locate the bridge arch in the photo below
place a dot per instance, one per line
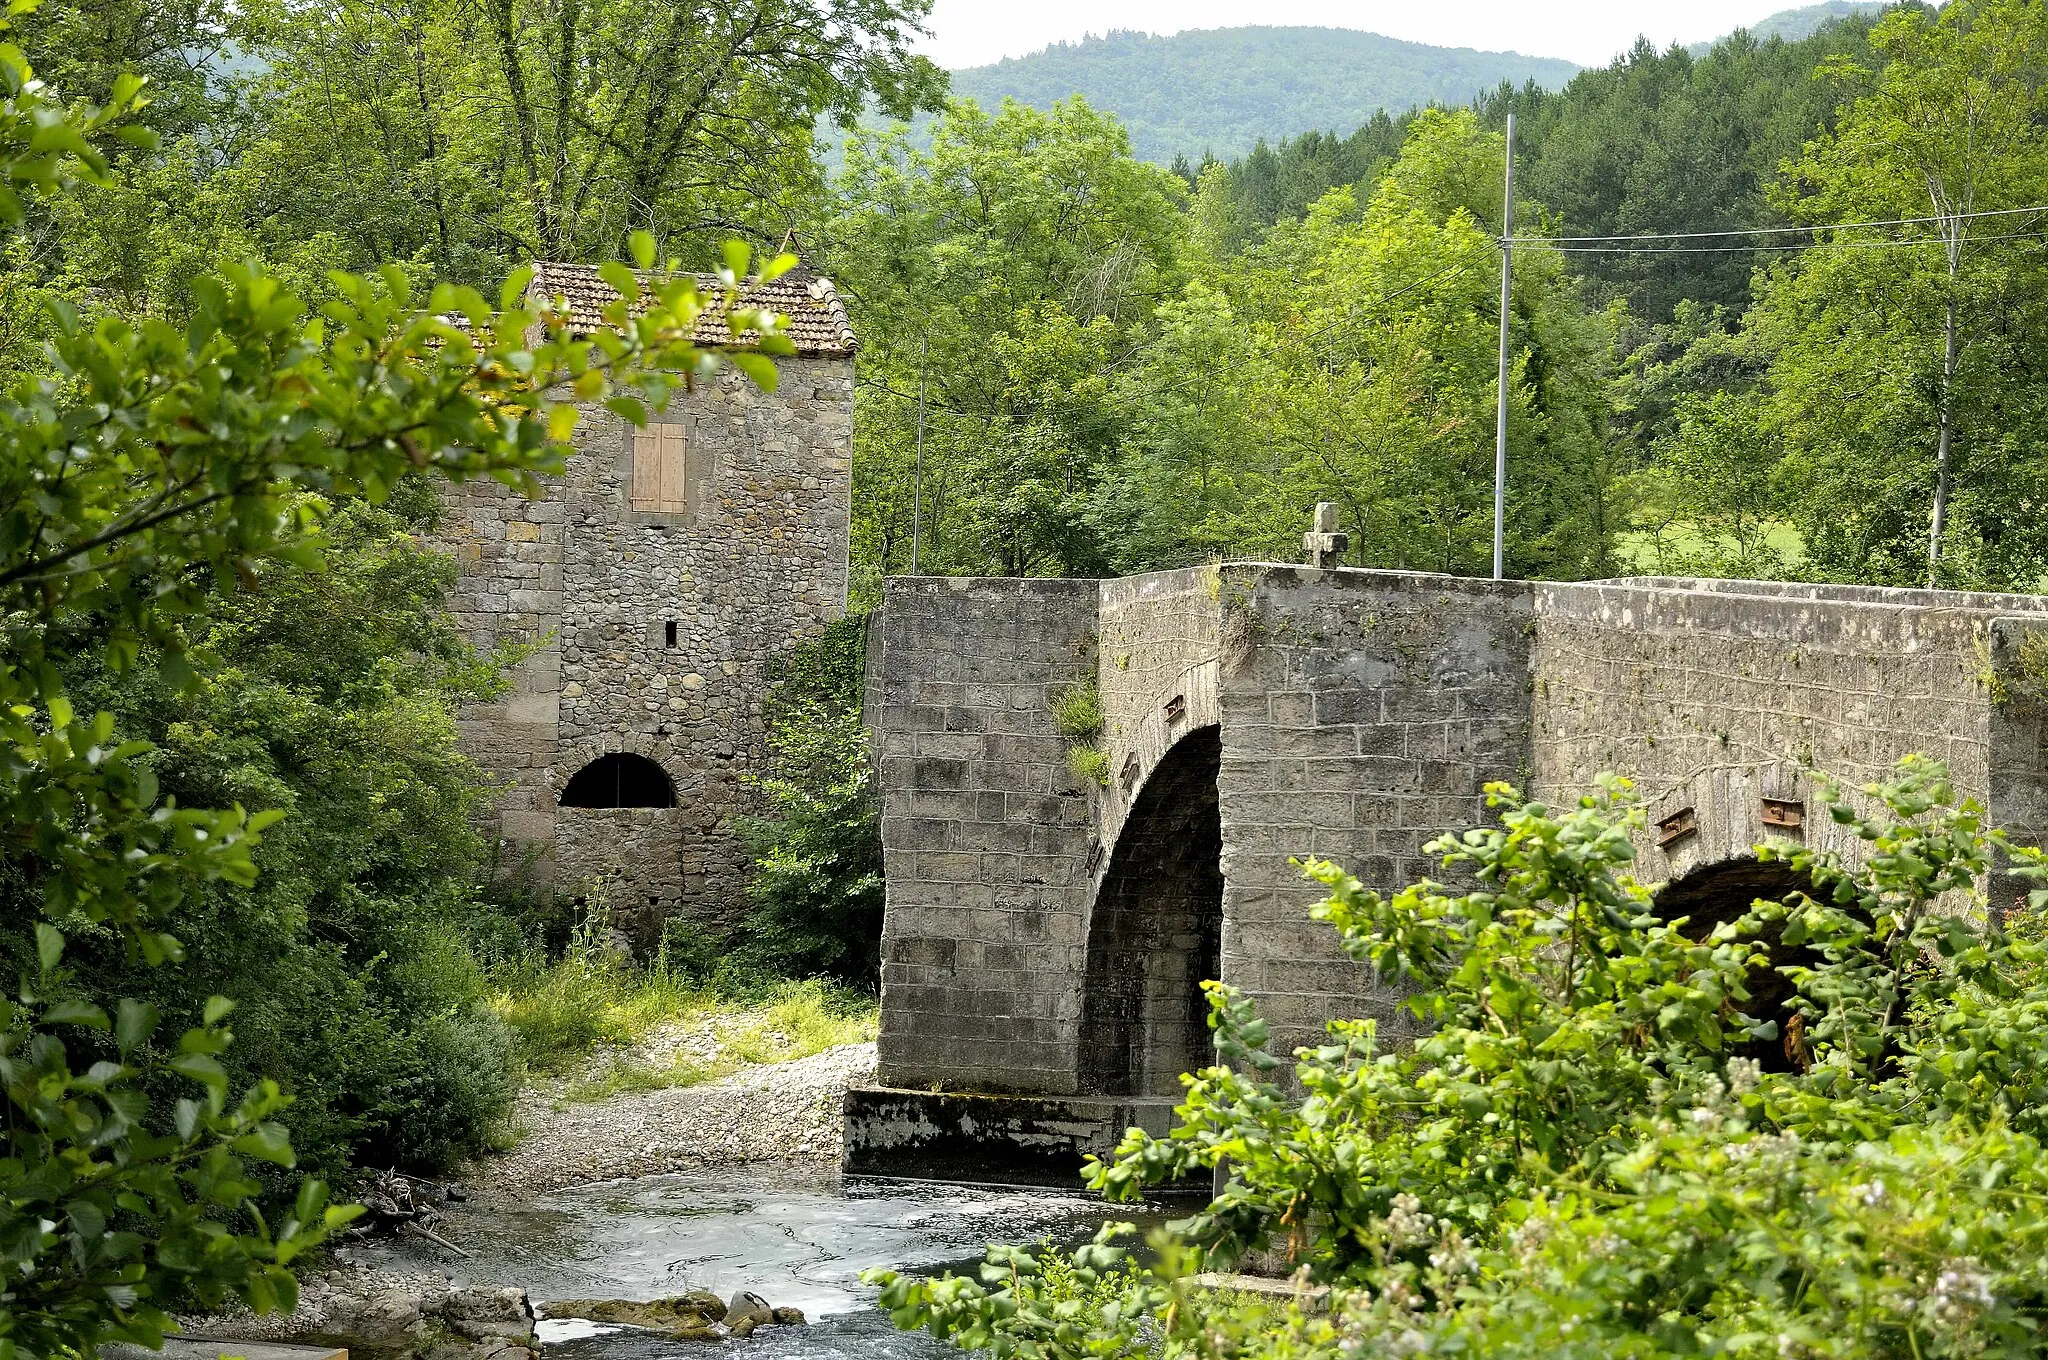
(1156, 931)
(1717, 893)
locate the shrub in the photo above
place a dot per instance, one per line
(815, 902)
(1077, 711)
(1571, 1161)
(331, 697)
(1089, 763)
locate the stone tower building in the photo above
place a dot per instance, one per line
(652, 585)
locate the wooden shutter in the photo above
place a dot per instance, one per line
(662, 482)
(675, 480)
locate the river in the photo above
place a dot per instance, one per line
(796, 1236)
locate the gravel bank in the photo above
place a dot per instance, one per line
(780, 1112)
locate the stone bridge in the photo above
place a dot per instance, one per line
(1046, 935)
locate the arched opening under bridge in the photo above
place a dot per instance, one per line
(1716, 894)
(1156, 933)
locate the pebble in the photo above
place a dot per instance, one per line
(782, 1112)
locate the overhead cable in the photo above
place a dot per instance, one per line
(1775, 231)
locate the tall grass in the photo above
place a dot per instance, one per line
(581, 1016)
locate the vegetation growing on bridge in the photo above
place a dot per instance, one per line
(1594, 1150)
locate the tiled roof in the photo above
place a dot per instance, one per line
(813, 316)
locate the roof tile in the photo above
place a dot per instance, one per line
(813, 316)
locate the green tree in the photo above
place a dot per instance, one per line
(332, 697)
(548, 129)
(1360, 348)
(153, 469)
(1934, 341)
(816, 895)
(1010, 269)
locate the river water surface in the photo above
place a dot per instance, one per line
(794, 1236)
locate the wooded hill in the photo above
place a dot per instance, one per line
(1220, 89)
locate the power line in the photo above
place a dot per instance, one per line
(1777, 231)
(1808, 246)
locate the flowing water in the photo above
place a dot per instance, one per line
(793, 1236)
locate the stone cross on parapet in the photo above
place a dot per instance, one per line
(1324, 542)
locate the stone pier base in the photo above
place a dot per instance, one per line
(992, 1139)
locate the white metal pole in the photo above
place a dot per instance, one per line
(917, 476)
(1500, 427)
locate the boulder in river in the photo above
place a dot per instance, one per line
(696, 1316)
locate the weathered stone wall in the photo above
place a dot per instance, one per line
(985, 832)
(1161, 635)
(596, 585)
(1363, 713)
(1715, 696)
(1354, 716)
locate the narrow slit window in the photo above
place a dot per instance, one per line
(671, 632)
(664, 474)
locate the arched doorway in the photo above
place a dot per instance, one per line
(619, 780)
(1157, 931)
(1716, 894)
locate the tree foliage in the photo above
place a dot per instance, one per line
(149, 471)
(816, 897)
(1103, 394)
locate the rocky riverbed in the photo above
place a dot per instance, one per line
(783, 1112)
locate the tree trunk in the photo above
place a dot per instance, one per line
(503, 20)
(431, 125)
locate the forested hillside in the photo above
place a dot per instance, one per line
(1804, 22)
(1655, 141)
(1219, 90)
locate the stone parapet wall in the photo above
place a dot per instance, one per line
(1715, 700)
(985, 832)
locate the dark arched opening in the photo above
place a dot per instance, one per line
(1719, 893)
(622, 780)
(1157, 931)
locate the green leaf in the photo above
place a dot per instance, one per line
(134, 1022)
(49, 945)
(76, 1013)
(267, 1142)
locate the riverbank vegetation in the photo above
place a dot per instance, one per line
(1603, 1142)
(163, 492)
(598, 1026)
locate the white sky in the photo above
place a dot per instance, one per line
(1590, 32)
